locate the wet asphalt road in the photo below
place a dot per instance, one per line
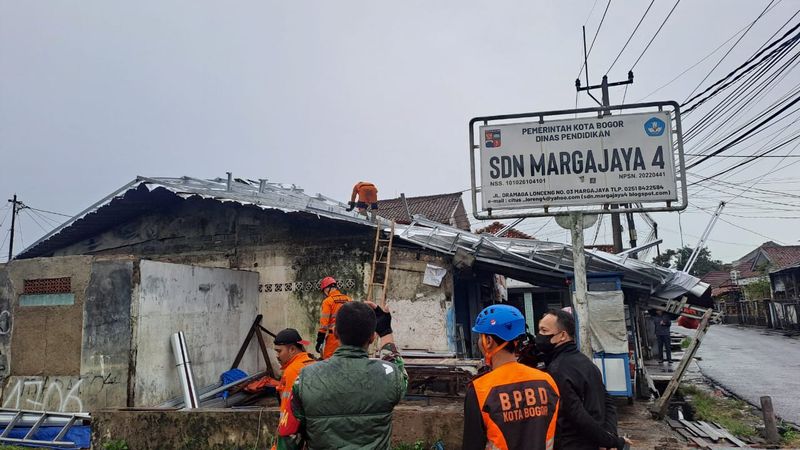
(751, 363)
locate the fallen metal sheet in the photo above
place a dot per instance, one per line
(547, 260)
(705, 434)
(209, 392)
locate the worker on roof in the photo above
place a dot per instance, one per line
(367, 196)
(512, 406)
(327, 342)
(291, 351)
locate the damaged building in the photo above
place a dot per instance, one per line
(88, 309)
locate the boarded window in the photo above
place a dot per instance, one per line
(47, 292)
(61, 285)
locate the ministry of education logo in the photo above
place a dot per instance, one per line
(654, 126)
(491, 138)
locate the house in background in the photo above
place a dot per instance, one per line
(759, 288)
(447, 209)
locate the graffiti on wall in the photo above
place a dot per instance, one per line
(60, 394)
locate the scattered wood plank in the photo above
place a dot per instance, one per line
(712, 432)
(694, 428)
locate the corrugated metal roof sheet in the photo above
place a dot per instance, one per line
(530, 257)
(148, 194)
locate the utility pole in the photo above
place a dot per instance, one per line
(616, 226)
(15, 207)
(631, 231)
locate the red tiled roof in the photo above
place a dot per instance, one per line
(443, 208)
(782, 257)
(717, 279)
(774, 255)
(511, 233)
(720, 283)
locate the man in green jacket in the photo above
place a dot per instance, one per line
(346, 401)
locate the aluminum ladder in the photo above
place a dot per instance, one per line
(36, 419)
(381, 260)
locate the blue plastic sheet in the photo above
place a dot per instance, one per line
(229, 377)
(81, 435)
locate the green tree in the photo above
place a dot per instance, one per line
(677, 258)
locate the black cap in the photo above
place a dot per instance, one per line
(289, 336)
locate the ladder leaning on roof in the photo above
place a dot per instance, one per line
(381, 260)
(13, 418)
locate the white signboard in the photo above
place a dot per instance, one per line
(578, 162)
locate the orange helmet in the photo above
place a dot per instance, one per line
(327, 282)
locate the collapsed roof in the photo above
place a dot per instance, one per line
(524, 259)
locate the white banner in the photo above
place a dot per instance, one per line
(578, 162)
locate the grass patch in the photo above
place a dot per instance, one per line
(790, 438)
(13, 447)
(731, 414)
(419, 445)
(115, 444)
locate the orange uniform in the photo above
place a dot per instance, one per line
(327, 320)
(367, 194)
(291, 370)
(511, 407)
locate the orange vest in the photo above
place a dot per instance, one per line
(327, 320)
(290, 372)
(366, 191)
(519, 405)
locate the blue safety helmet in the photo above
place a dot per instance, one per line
(503, 321)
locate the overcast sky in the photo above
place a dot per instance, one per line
(323, 94)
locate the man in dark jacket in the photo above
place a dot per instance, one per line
(346, 401)
(587, 417)
(663, 324)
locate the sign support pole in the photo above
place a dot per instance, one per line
(580, 301)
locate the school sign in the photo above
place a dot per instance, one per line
(594, 160)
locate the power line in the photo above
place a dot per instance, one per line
(743, 156)
(591, 46)
(729, 50)
(744, 162)
(739, 226)
(770, 55)
(749, 132)
(36, 221)
(5, 238)
(67, 215)
(654, 36)
(631, 36)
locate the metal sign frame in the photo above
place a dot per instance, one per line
(605, 208)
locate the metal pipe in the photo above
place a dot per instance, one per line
(184, 366)
(230, 181)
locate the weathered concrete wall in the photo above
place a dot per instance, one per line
(105, 350)
(419, 311)
(52, 363)
(255, 428)
(6, 320)
(291, 252)
(213, 307)
(47, 339)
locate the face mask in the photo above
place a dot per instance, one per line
(543, 344)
